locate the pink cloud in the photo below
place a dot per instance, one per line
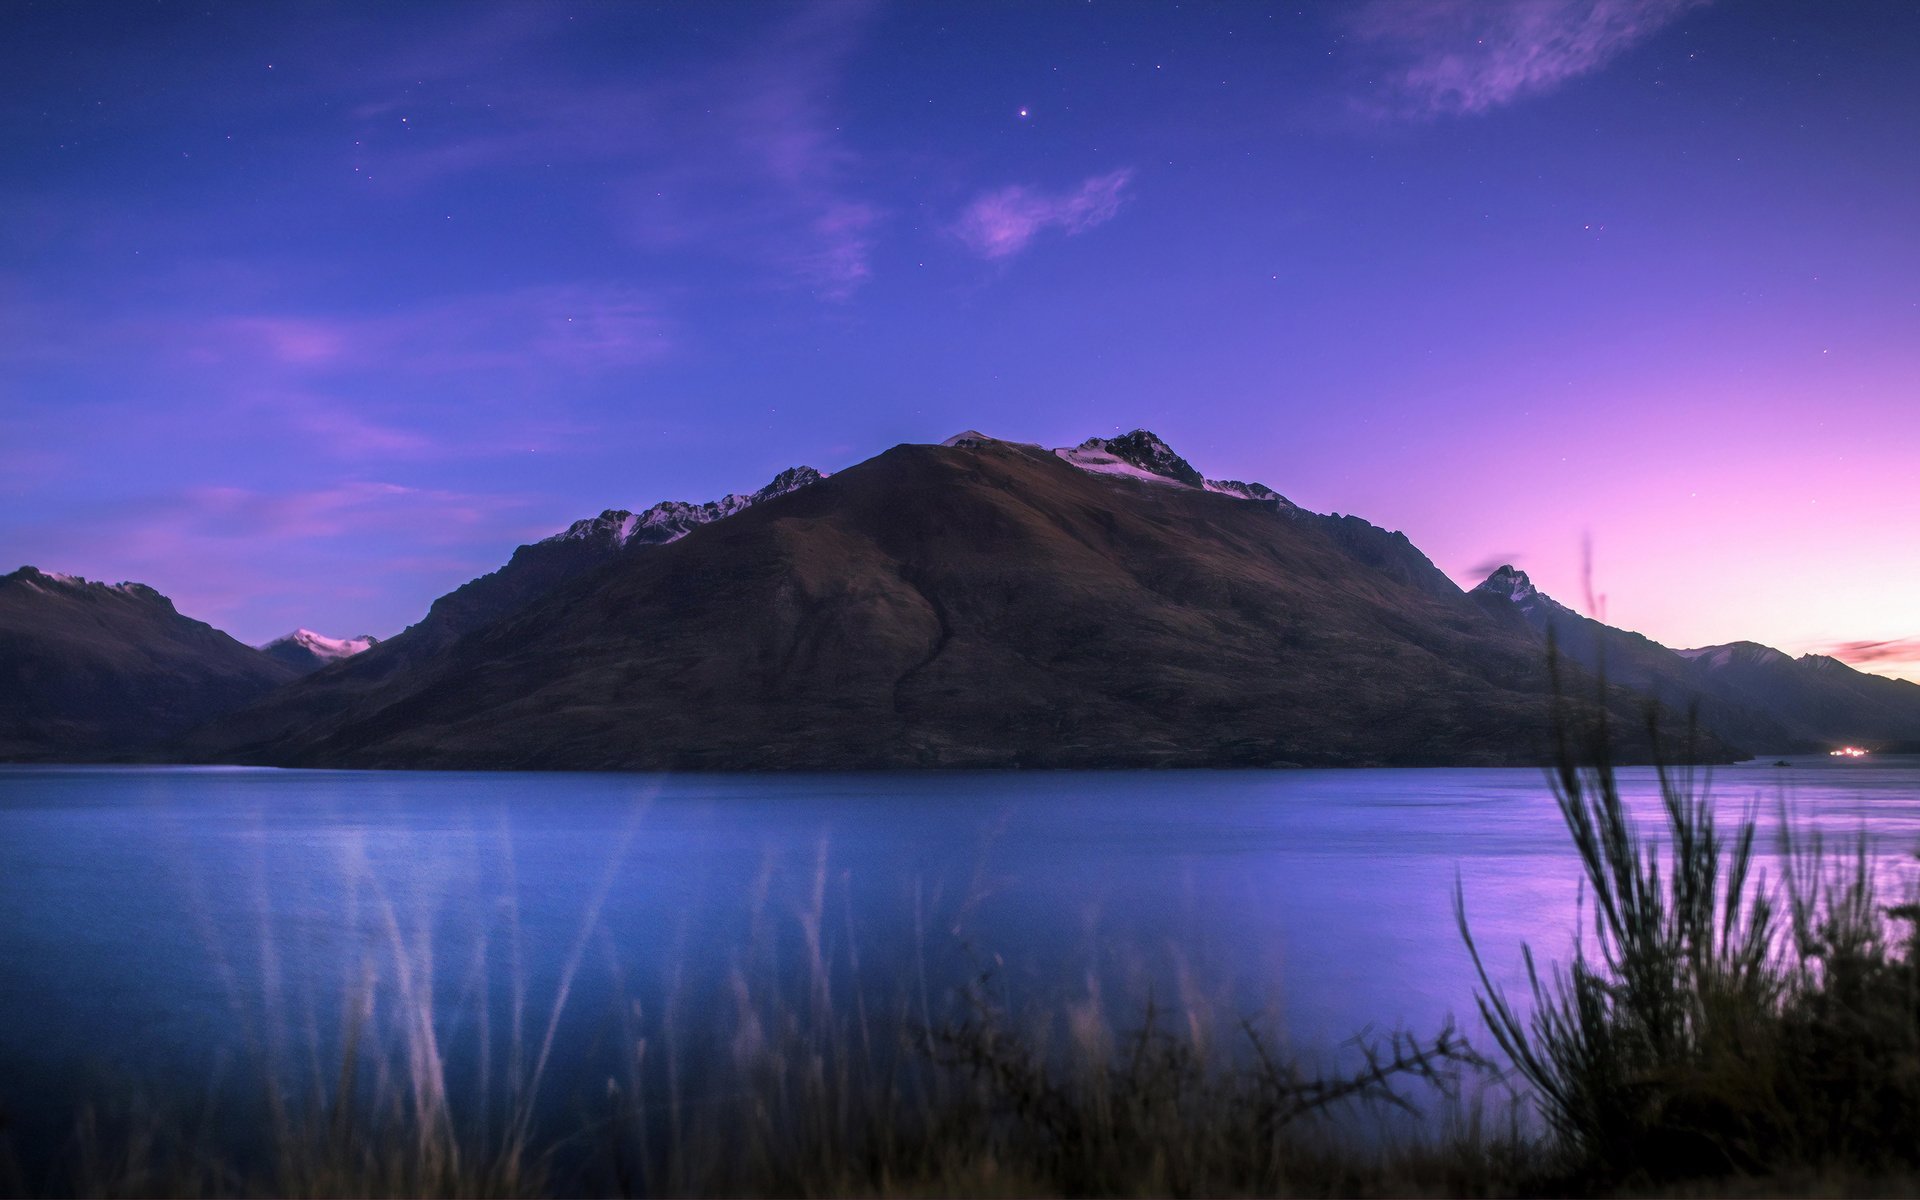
(349, 433)
(1895, 650)
(347, 510)
(1000, 224)
(1459, 57)
(292, 340)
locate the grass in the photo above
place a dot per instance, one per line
(1714, 1033)
(1714, 1026)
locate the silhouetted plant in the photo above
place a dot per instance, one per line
(1711, 1024)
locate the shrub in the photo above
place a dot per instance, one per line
(1712, 1024)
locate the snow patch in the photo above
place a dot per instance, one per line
(671, 520)
(1091, 455)
(37, 579)
(1144, 456)
(1248, 491)
(322, 647)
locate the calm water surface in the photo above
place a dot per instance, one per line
(167, 927)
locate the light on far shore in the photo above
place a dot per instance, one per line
(1848, 752)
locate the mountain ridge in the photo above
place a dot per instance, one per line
(1182, 619)
(981, 604)
(92, 671)
(1748, 693)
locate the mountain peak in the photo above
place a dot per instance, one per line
(35, 578)
(307, 651)
(1144, 455)
(671, 520)
(969, 437)
(1825, 662)
(323, 645)
(1509, 583)
(789, 480)
(1142, 450)
(1736, 653)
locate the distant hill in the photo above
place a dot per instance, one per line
(978, 604)
(94, 670)
(1746, 694)
(1820, 698)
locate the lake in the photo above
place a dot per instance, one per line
(172, 929)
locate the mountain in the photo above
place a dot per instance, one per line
(306, 651)
(588, 543)
(981, 603)
(1819, 698)
(1142, 455)
(1744, 693)
(94, 670)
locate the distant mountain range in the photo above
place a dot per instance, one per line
(1748, 694)
(979, 603)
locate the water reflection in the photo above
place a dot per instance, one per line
(155, 923)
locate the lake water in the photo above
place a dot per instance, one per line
(168, 928)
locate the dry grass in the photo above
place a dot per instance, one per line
(1715, 1029)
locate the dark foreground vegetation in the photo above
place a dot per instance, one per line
(1715, 1032)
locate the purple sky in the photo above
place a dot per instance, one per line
(309, 314)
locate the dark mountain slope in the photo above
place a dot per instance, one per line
(91, 670)
(1640, 663)
(979, 605)
(1749, 695)
(1820, 699)
(539, 567)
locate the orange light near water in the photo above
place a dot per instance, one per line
(1848, 752)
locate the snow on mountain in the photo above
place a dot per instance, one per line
(321, 646)
(1143, 455)
(1139, 455)
(306, 651)
(47, 581)
(671, 520)
(1247, 491)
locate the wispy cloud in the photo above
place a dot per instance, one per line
(221, 550)
(368, 385)
(1458, 57)
(1001, 223)
(577, 328)
(1894, 650)
(1479, 571)
(740, 155)
(354, 509)
(461, 376)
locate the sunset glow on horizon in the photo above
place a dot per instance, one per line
(308, 316)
